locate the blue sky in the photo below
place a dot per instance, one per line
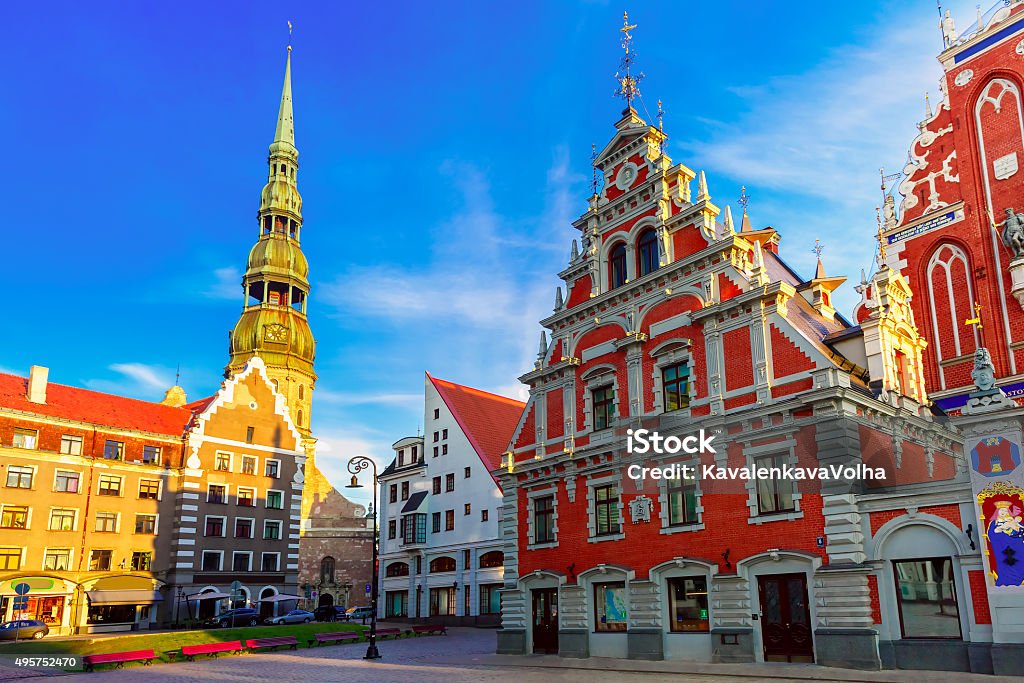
(444, 152)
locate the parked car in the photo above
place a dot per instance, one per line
(241, 616)
(354, 613)
(329, 613)
(23, 629)
(296, 616)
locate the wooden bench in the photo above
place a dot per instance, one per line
(430, 628)
(272, 643)
(385, 632)
(212, 649)
(338, 636)
(119, 658)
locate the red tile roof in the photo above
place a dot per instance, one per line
(488, 420)
(94, 407)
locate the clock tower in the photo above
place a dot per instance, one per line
(273, 324)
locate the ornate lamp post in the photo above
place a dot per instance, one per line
(355, 466)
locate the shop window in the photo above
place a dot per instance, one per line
(926, 594)
(111, 614)
(490, 598)
(442, 601)
(688, 604)
(610, 613)
(675, 386)
(396, 604)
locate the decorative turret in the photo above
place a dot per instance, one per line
(273, 323)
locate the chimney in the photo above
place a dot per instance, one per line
(37, 384)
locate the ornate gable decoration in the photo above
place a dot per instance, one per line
(893, 344)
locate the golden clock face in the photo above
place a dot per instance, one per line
(275, 333)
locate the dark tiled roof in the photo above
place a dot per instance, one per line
(414, 502)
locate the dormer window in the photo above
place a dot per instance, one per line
(647, 253)
(617, 266)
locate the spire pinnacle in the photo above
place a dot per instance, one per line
(629, 85)
(702, 187)
(284, 136)
(743, 201)
(727, 217)
(819, 273)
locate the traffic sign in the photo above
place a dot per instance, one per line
(367, 589)
(22, 589)
(20, 604)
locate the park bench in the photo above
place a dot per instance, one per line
(119, 658)
(430, 628)
(212, 649)
(385, 632)
(338, 636)
(272, 643)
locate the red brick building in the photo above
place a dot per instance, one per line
(676, 322)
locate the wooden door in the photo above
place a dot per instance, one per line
(545, 621)
(785, 618)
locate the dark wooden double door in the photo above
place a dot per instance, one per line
(545, 620)
(785, 618)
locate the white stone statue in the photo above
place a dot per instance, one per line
(948, 27)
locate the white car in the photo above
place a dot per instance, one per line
(296, 616)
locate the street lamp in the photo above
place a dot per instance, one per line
(355, 466)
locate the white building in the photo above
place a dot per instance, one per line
(440, 555)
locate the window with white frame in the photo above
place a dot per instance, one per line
(610, 607)
(273, 468)
(215, 526)
(20, 477)
(217, 493)
(14, 516)
(71, 444)
(106, 522)
(213, 560)
(57, 559)
(66, 481)
(10, 558)
(773, 495)
(109, 485)
(222, 461)
(241, 561)
(606, 509)
(248, 464)
(270, 562)
(149, 489)
(63, 519)
(151, 455)
(275, 500)
(245, 497)
(25, 438)
(145, 524)
(772, 498)
(271, 530)
(244, 527)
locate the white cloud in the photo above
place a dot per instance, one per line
(139, 380)
(226, 284)
(342, 398)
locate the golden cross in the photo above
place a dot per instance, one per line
(976, 320)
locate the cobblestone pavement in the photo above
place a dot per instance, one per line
(464, 656)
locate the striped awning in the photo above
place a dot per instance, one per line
(126, 597)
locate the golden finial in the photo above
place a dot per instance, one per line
(626, 28)
(975, 322)
(628, 83)
(818, 248)
(880, 236)
(661, 115)
(289, 36)
(744, 199)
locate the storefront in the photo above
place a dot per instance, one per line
(120, 603)
(47, 600)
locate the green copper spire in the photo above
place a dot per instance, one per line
(284, 137)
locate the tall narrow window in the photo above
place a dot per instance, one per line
(774, 495)
(675, 386)
(647, 252)
(604, 407)
(327, 570)
(606, 509)
(617, 266)
(682, 501)
(544, 519)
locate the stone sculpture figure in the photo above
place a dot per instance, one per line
(984, 373)
(1013, 233)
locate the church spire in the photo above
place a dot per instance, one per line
(284, 136)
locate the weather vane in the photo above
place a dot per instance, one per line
(880, 236)
(593, 162)
(744, 198)
(661, 114)
(629, 85)
(289, 36)
(975, 322)
(818, 248)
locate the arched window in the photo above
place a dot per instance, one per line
(327, 570)
(950, 292)
(302, 392)
(495, 558)
(617, 265)
(442, 564)
(299, 421)
(647, 252)
(397, 569)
